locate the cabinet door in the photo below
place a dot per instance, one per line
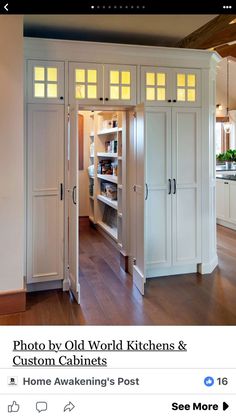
(86, 83)
(156, 86)
(222, 199)
(186, 87)
(119, 84)
(186, 196)
(158, 178)
(232, 202)
(45, 81)
(45, 174)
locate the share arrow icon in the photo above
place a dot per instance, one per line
(69, 407)
(225, 406)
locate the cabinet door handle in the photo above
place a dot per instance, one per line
(106, 98)
(169, 189)
(101, 98)
(174, 100)
(146, 191)
(169, 100)
(226, 183)
(73, 195)
(61, 191)
(174, 180)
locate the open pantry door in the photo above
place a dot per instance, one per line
(73, 204)
(140, 196)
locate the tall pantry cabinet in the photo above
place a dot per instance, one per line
(169, 100)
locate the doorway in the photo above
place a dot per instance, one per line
(100, 195)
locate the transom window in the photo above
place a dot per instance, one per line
(45, 82)
(186, 87)
(120, 85)
(156, 86)
(85, 83)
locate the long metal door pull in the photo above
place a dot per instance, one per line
(174, 180)
(73, 195)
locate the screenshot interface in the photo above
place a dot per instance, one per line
(117, 209)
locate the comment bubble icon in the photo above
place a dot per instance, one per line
(41, 406)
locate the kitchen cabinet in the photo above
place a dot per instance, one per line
(109, 84)
(162, 86)
(226, 203)
(45, 82)
(173, 206)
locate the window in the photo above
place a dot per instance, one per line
(155, 86)
(45, 81)
(120, 85)
(186, 87)
(86, 83)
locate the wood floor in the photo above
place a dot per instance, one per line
(109, 297)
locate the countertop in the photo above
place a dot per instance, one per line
(222, 168)
(226, 177)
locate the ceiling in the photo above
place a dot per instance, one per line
(162, 30)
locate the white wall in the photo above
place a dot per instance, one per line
(83, 174)
(11, 153)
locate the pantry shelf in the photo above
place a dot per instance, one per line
(109, 131)
(107, 201)
(111, 231)
(104, 154)
(109, 178)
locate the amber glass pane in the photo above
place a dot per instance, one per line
(114, 77)
(92, 76)
(39, 90)
(181, 80)
(51, 90)
(125, 77)
(150, 93)
(80, 91)
(114, 92)
(125, 93)
(191, 80)
(191, 95)
(51, 74)
(150, 79)
(161, 93)
(92, 91)
(161, 79)
(80, 75)
(181, 95)
(39, 73)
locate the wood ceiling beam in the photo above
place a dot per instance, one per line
(227, 51)
(216, 32)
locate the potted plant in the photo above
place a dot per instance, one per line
(229, 157)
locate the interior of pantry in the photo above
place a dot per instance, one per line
(102, 182)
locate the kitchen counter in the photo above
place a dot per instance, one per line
(222, 168)
(225, 176)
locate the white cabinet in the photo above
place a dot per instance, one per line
(173, 217)
(170, 86)
(45, 195)
(226, 203)
(110, 84)
(45, 81)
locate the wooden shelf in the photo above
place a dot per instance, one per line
(107, 201)
(104, 154)
(109, 178)
(91, 177)
(111, 231)
(91, 134)
(120, 186)
(120, 214)
(91, 197)
(119, 158)
(109, 131)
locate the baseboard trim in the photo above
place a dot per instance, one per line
(208, 268)
(12, 301)
(45, 286)
(226, 224)
(153, 272)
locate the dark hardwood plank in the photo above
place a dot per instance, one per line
(110, 298)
